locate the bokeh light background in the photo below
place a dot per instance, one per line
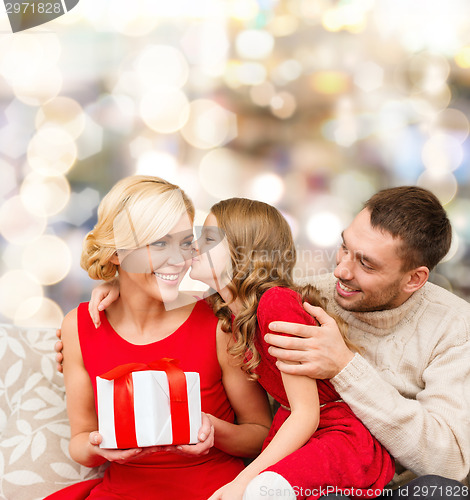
(311, 105)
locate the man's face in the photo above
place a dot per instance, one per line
(369, 268)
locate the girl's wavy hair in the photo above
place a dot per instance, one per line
(263, 256)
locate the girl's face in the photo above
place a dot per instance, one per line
(211, 261)
(161, 265)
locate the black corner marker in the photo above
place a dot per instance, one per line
(28, 14)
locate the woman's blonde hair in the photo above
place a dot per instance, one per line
(136, 212)
(263, 256)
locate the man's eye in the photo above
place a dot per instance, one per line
(364, 265)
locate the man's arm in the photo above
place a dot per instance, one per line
(429, 434)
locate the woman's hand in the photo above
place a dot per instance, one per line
(206, 440)
(121, 456)
(101, 297)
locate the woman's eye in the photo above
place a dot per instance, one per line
(187, 244)
(158, 244)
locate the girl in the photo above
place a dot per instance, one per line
(144, 234)
(316, 445)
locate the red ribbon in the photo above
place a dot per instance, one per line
(124, 419)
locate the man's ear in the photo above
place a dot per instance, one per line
(416, 278)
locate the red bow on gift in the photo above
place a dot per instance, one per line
(124, 420)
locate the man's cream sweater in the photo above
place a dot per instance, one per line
(410, 384)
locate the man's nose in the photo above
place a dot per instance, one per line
(343, 269)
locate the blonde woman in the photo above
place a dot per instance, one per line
(144, 235)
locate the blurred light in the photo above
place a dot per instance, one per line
(12, 256)
(209, 125)
(243, 10)
(283, 105)
(16, 287)
(81, 207)
(330, 82)
(158, 164)
(267, 187)
(51, 151)
(43, 86)
(39, 312)
(458, 214)
(48, 259)
(206, 45)
(442, 153)
(462, 57)
(428, 71)
(429, 105)
(453, 122)
(63, 112)
(162, 65)
(442, 184)
(165, 109)
(251, 73)
(90, 141)
(324, 229)
(17, 224)
(283, 25)
(287, 71)
(454, 248)
(15, 136)
(254, 44)
(114, 112)
(44, 196)
(349, 16)
(369, 76)
(134, 22)
(8, 178)
(220, 174)
(140, 145)
(353, 187)
(262, 94)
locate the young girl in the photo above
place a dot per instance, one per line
(316, 444)
(144, 234)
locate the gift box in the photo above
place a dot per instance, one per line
(148, 404)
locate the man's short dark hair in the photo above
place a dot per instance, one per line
(417, 217)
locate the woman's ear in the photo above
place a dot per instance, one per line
(115, 259)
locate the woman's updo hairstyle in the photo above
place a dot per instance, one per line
(138, 210)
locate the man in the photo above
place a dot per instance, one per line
(410, 382)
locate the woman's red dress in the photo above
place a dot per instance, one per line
(165, 476)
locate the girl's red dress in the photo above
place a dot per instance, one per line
(163, 475)
(342, 455)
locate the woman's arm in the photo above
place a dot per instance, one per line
(249, 402)
(84, 440)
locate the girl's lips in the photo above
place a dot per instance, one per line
(344, 290)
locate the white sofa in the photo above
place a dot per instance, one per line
(34, 429)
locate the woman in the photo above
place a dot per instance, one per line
(144, 234)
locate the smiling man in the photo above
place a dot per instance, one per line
(410, 381)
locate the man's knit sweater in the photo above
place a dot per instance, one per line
(410, 384)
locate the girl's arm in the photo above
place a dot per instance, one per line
(293, 433)
(249, 402)
(84, 440)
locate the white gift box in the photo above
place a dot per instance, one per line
(152, 408)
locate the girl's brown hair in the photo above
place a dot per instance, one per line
(263, 256)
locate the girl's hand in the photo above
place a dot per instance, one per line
(101, 297)
(121, 456)
(206, 441)
(231, 491)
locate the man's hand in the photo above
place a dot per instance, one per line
(101, 297)
(59, 357)
(320, 350)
